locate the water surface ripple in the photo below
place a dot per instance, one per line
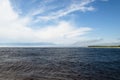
(59, 64)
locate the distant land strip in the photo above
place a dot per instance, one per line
(104, 46)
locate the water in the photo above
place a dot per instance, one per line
(59, 64)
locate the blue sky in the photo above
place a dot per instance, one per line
(60, 22)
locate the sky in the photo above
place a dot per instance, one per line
(59, 22)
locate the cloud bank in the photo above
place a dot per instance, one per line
(14, 28)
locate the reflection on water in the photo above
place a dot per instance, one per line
(59, 64)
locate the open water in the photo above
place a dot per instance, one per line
(59, 64)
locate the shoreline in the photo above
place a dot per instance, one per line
(103, 47)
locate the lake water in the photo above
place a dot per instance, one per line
(59, 64)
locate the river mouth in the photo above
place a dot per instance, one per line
(59, 64)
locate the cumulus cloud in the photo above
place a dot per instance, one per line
(63, 32)
(13, 28)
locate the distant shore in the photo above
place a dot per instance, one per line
(104, 46)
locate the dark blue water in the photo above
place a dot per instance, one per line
(59, 64)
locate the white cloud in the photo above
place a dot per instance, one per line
(81, 5)
(15, 29)
(6, 13)
(11, 26)
(89, 42)
(64, 33)
(105, 0)
(97, 41)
